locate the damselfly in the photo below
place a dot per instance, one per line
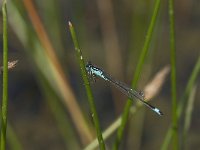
(95, 71)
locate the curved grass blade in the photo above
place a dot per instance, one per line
(139, 66)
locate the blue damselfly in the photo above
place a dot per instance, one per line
(95, 71)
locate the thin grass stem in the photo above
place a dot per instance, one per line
(194, 75)
(88, 88)
(139, 66)
(5, 78)
(188, 116)
(173, 75)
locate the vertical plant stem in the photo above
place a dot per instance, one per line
(184, 100)
(139, 66)
(173, 75)
(88, 88)
(5, 79)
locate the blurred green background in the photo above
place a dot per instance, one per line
(47, 98)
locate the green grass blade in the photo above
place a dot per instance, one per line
(139, 66)
(189, 86)
(88, 88)
(5, 79)
(173, 75)
(167, 139)
(188, 115)
(13, 140)
(183, 101)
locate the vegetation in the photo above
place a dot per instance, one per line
(127, 38)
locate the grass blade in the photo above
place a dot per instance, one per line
(137, 74)
(189, 86)
(6, 65)
(13, 140)
(173, 75)
(188, 115)
(88, 88)
(183, 101)
(5, 78)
